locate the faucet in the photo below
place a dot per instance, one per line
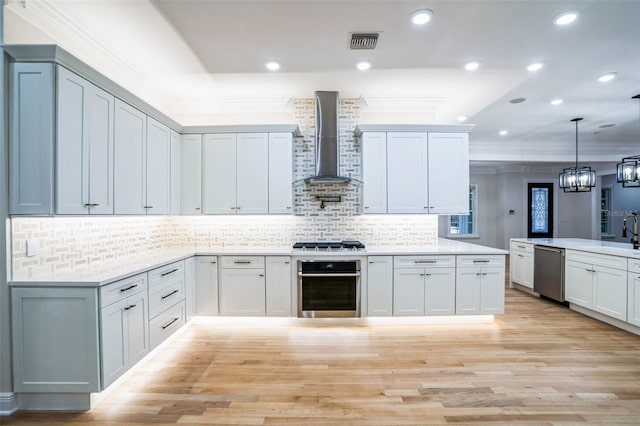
(634, 240)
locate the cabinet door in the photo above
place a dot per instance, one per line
(175, 173)
(408, 292)
(130, 174)
(158, 168)
(406, 173)
(219, 174)
(633, 298)
(578, 283)
(610, 292)
(242, 292)
(374, 172)
(114, 337)
(191, 174)
(252, 174)
(492, 291)
(468, 281)
(448, 162)
(380, 286)
(138, 326)
(440, 291)
(190, 287)
(278, 286)
(31, 136)
(72, 156)
(206, 289)
(516, 267)
(280, 173)
(527, 270)
(101, 145)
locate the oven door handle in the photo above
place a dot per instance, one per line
(302, 274)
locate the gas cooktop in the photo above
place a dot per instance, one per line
(330, 246)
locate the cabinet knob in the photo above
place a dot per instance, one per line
(213, 262)
(197, 208)
(262, 275)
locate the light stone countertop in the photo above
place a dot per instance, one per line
(99, 274)
(591, 246)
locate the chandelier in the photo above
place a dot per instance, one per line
(577, 179)
(628, 170)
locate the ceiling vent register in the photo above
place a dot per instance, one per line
(364, 41)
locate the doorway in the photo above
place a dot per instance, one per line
(540, 210)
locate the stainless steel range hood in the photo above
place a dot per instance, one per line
(327, 150)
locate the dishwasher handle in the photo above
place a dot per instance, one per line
(551, 249)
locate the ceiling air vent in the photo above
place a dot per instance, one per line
(361, 41)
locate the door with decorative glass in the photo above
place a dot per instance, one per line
(540, 210)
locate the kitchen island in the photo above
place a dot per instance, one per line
(601, 278)
(76, 332)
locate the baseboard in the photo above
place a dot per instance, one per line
(605, 318)
(8, 403)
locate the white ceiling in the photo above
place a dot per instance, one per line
(202, 62)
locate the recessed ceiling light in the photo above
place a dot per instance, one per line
(535, 66)
(556, 102)
(517, 100)
(607, 77)
(363, 65)
(472, 66)
(272, 65)
(566, 18)
(462, 118)
(503, 132)
(422, 16)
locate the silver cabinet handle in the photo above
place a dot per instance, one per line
(170, 322)
(129, 307)
(148, 207)
(170, 272)
(170, 294)
(129, 288)
(481, 261)
(424, 261)
(242, 262)
(91, 205)
(522, 247)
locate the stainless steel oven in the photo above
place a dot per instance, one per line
(328, 288)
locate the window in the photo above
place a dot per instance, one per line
(540, 210)
(605, 208)
(466, 225)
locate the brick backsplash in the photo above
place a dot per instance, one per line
(66, 243)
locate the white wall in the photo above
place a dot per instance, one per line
(623, 202)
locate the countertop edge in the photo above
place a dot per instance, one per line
(571, 244)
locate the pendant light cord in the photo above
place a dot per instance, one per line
(576, 120)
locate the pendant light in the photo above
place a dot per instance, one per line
(577, 179)
(628, 170)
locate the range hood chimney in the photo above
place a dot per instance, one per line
(327, 150)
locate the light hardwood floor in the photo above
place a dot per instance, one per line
(540, 363)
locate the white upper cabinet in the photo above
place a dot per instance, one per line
(407, 190)
(31, 133)
(175, 173)
(191, 174)
(374, 172)
(280, 173)
(448, 169)
(252, 173)
(130, 177)
(84, 171)
(158, 179)
(219, 174)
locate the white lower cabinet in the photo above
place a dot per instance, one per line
(419, 289)
(521, 264)
(597, 282)
(124, 330)
(242, 286)
(380, 286)
(206, 285)
(167, 308)
(480, 289)
(633, 297)
(278, 286)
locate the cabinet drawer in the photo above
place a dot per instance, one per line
(634, 265)
(423, 261)
(162, 297)
(120, 290)
(164, 274)
(165, 324)
(243, 261)
(518, 246)
(480, 260)
(597, 259)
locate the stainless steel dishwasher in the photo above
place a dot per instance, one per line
(548, 272)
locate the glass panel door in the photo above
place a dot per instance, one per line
(540, 210)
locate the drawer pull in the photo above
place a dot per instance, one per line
(128, 288)
(520, 255)
(424, 261)
(242, 262)
(169, 272)
(91, 205)
(170, 322)
(129, 307)
(170, 294)
(522, 247)
(261, 275)
(478, 274)
(213, 262)
(148, 207)
(481, 261)
(427, 275)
